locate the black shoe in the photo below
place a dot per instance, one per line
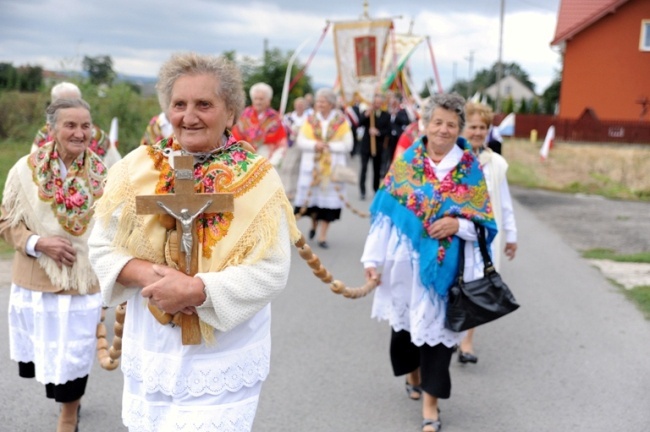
(312, 234)
(466, 357)
(323, 244)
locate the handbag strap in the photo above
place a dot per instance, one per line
(482, 244)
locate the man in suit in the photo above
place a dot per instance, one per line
(399, 120)
(376, 121)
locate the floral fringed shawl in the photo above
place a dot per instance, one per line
(413, 198)
(225, 239)
(36, 194)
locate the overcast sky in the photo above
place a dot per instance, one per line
(140, 34)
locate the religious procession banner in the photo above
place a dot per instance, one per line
(399, 49)
(359, 49)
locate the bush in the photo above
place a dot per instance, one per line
(22, 114)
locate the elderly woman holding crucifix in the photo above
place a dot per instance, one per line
(240, 254)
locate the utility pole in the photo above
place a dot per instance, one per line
(499, 61)
(454, 76)
(469, 77)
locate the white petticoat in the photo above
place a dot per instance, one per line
(56, 332)
(171, 387)
(401, 299)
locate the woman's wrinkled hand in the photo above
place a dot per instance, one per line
(58, 248)
(510, 250)
(175, 291)
(444, 227)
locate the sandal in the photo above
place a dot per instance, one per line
(435, 424)
(412, 390)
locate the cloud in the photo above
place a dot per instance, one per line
(139, 36)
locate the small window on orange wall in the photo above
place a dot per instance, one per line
(644, 43)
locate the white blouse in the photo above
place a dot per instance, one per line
(401, 299)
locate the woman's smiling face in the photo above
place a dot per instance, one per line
(199, 116)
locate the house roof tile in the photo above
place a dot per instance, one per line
(576, 15)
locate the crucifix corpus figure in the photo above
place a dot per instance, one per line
(185, 206)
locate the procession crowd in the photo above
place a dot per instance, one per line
(72, 210)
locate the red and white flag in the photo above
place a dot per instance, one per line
(548, 143)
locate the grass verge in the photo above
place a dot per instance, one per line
(608, 254)
(641, 297)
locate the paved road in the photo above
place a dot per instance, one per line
(573, 358)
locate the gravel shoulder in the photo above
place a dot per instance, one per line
(589, 222)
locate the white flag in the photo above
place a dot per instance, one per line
(507, 125)
(548, 143)
(112, 155)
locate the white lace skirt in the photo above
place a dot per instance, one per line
(401, 299)
(55, 331)
(171, 387)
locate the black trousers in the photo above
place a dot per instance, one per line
(376, 170)
(433, 362)
(68, 392)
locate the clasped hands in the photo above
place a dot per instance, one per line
(173, 291)
(321, 146)
(58, 248)
(444, 227)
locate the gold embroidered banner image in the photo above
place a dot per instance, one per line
(359, 50)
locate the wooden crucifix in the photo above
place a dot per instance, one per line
(185, 206)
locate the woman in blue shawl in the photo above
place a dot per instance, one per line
(427, 204)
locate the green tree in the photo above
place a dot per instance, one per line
(427, 87)
(508, 105)
(272, 71)
(534, 106)
(551, 96)
(31, 78)
(523, 107)
(462, 88)
(8, 76)
(99, 69)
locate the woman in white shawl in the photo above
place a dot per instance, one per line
(479, 118)
(55, 305)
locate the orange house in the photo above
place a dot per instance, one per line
(605, 46)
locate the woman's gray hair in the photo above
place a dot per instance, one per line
(64, 88)
(328, 94)
(449, 101)
(230, 88)
(52, 111)
(261, 87)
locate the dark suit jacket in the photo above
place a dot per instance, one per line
(382, 122)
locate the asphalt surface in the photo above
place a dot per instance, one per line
(574, 357)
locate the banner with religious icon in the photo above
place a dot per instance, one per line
(359, 51)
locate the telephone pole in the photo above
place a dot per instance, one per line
(499, 62)
(469, 78)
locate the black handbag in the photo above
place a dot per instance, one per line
(471, 304)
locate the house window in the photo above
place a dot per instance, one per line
(644, 44)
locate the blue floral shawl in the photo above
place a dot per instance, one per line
(414, 198)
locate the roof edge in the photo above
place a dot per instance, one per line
(609, 9)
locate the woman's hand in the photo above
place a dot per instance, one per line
(510, 250)
(371, 274)
(175, 291)
(58, 248)
(320, 146)
(444, 227)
